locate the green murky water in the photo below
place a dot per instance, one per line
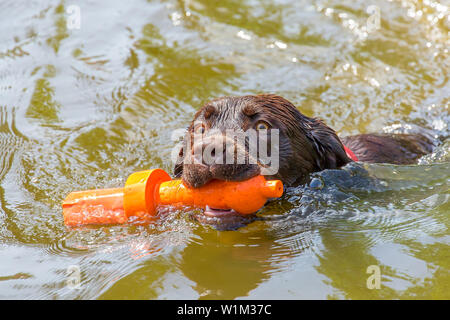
(84, 107)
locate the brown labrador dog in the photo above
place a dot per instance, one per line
(304, 145)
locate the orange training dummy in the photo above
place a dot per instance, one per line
(145, 190)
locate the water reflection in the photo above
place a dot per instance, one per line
(231, 263)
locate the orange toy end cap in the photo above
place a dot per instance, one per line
(273, 189)
(103, 206)
(140, 192)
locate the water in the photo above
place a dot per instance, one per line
(83, 108)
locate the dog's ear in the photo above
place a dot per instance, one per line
(329, 148)
(185, 138)
(178, 168)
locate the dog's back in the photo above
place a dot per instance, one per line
(389, 147)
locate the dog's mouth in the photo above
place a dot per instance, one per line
(221, 219)
(224, 219)
(219, 213)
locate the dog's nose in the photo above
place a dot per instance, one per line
(209, 151)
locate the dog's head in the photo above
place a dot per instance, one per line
(236, 138)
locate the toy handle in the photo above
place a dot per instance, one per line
(145, 190)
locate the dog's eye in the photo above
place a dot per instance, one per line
(200, 128)
(262, 125)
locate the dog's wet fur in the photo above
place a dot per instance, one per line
(306, 145)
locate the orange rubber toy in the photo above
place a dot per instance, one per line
(145, 190)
